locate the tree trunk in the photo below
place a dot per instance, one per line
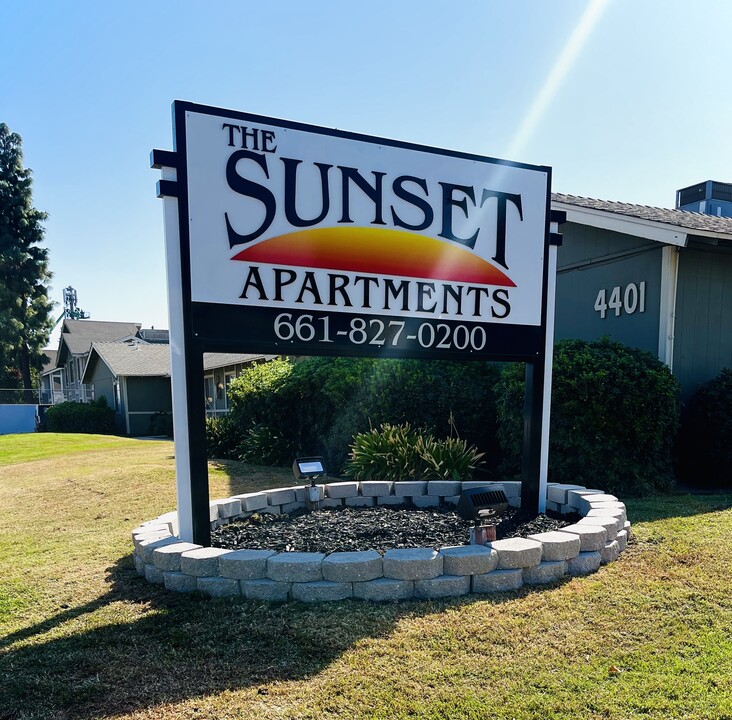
(25, 372)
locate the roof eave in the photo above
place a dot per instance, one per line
(648, 229)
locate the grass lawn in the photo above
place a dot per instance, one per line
(81, 636)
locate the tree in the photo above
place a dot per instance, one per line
(25, 310)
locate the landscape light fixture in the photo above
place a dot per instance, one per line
(310, 468)
(483, 506)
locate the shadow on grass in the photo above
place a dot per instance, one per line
(242, 477)
(676, 505)
(180, 647)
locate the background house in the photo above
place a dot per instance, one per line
(654, 278)
(134, 377)
(63, 381)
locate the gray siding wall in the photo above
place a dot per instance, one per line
(145, 397)
(103, 381)
(703, 332)
(591, 259)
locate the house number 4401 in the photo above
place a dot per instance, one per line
(630, 299)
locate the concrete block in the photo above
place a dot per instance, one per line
(218, 586)
(412, 563)
(574, 497)
(168, 556)
(153, 574)
(347, 567)
(514, 501)
(301, 493)
(139, 565)
(584, 563)
(557, 546)
(213, 511)
(271, 510)
(321, 591)
(179, 582)
(517, 552)
(159, 535)
(545, 572)
(280, 496)
(295, 567)
(627, 529)
(250, 502)
(291, 507)
(611, 524)
(553, 507)
(410, 488)
(498, 581)
(330, 503)
(592, 537)
(151, 527)
(228, 507)
(171, 520)
(341, 489)
(451, 500)
(376, 488)
(442, 586)
(444, 488)
(203, 562)
(384, 589)
(264, 589)
(557, 492)
(360, 501)
(245, 564)
(587, 501)
(612, 506)
(393, 500)
(147, 547)
(610, 552)
(488, 485)
(622, 540)
(618, 513)
(425, 501)
(468, 559)
(512, 488)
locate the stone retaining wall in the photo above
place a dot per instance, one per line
(598, 538)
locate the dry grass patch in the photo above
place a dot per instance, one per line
(83, 637)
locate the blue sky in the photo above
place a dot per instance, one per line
(626, 100)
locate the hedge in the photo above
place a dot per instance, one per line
(705, 447)
(614, 417)
(318, 405)
(94, 417)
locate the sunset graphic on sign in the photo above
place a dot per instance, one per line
(378, 251)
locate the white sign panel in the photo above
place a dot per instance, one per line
(332, 230)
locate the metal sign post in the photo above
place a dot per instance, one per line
(291, 239)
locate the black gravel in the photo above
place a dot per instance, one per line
(377, 528)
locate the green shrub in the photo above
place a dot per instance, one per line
(705, 440)
(449, 459)
(264, 446)
(72, 417)
(222, 437)
(317, 405)
(161, 423)
(614, 416)
(400, 452)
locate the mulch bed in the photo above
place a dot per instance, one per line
(377, 528)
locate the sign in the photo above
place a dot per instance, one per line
(309, 240)
(284, 238)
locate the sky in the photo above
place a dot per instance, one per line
(625, 99)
